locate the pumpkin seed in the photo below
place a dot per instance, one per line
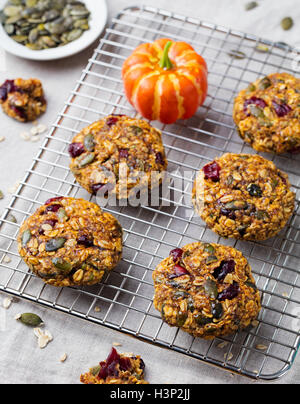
(55, 244)
(264, 83)
(11, 11)
(136, 129)
(95, 370)
(26, 237)
(217, 310)
(262, 48)
(209, 248)
(62, 215)
(201, 320)
(11, 218)
(33, 35)
(251, 5)
(89, 143)
(181, 319)
(63, 266)
(31, 319)
(211, 259)
(85, 160)
(75, 34)
(287, 23)
(256, 111)
(9, 28)
(19, 38)
(236, 205)
(236, 54)
(210, 288)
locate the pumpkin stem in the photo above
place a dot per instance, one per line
(165, 62)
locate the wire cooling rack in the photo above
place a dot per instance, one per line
(125, 297)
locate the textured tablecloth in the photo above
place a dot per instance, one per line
(85, 344)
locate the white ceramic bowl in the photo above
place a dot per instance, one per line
(98, 9)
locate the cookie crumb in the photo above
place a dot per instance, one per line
(7, 302)
(97, 309)
(63, 358)
(25, 135)
(116, 344)
(6, 259)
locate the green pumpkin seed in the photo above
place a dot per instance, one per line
(251, 5)
(95, 370)
(26, 237)
(19, 38)
(48, 41)
(63, 266)
(55, 244)
(287, 23)
(180, 294)
(209, 248)
(31, 319)
(262, 48)
(236, 205)
(251, 285)
(33, 35)
(236, 54)
(62, 215)
(136, 129)
(11, 11)
(264, 83)
(89, 143)
(201, 320)
(211, 289)
(75, 34)
(217, 310)
(85, 160)
(256, 111)
(211, 259)
(251, 88)
(31, 3)
(34, 46)
(181, 319)
(9, 28)
(11, 218)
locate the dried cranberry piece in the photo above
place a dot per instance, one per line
(178, 271)
(76, 149)
(228, 213)
(85, 240)
(212, 171)
(3, 94)
(113, 356)
(159, 159)
(53, 208)
(281, 109)
(123, 153)
(176, 254)
(142, 364)
(230, 293)
(125, 364)
(111, 121)
(56, 199)
(295, 150)
(254, 101)
(19, 111)
(224, 269)
(98, 187)
(112, 369)
(8, 87)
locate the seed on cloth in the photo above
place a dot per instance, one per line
(30, 319)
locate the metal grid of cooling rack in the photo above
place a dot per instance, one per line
(126, 294)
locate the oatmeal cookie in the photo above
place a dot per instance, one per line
(117, 154)
(267, 114)
(243, 196)
(117, 369)
(206, 290)
(70, 242)
(23, 100)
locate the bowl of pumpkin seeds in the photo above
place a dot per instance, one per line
(50, 29)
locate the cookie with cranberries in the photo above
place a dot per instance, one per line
(206, 290)
(70, 242)
(117, 369)
(267, 114)
(243, 196)
(23, 100)
(116, 155)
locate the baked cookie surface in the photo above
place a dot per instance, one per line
(267, 114)
(110, 155)
(243, 196)
(206, 290)
(70, 242)
(117, 369)
(23, 100)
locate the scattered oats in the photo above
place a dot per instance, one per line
(2, 138)
(34, 131)
(116, 344)
(35, 139)
(261, 347)
(44, 337)
(222, 345)
(18, 316)
(97, 309)
(6, 259)
(41, 129)
(14, 188)
(228, 356)
(7, 302)
(25, 135)
(63, 358)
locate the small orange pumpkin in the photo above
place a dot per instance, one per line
(165, 80)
